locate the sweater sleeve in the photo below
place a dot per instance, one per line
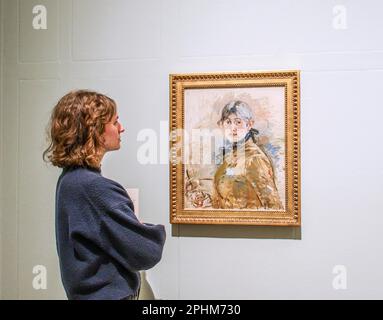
(135, 245)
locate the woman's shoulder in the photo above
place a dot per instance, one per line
(90, 183)
(79, 175)
(83, 178)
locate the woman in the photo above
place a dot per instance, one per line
(245, 179)
(100, 242)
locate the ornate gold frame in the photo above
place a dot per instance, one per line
(288, 79)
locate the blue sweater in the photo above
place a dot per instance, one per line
(100, 243)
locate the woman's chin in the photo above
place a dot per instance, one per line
(234, 139)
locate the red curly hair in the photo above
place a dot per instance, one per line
(75, 129)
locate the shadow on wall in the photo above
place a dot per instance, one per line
(223, 231)
(233, 231)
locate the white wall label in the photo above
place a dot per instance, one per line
(39, 20)
(134, 195)
(40, 280)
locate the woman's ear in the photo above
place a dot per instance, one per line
(249, 124)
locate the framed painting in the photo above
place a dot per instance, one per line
(235, 148)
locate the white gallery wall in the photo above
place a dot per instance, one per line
(127, 49)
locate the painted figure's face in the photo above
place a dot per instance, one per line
(111, 135)
(235, 128)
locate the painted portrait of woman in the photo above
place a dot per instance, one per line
(235, 148)
(245, 179)
(241, 131)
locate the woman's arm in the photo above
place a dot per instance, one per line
(109, 222)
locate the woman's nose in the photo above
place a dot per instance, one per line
(122, 129)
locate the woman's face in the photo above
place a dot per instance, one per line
(111, 135)
(235, 128)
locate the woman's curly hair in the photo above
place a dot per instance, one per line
(75, 129)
